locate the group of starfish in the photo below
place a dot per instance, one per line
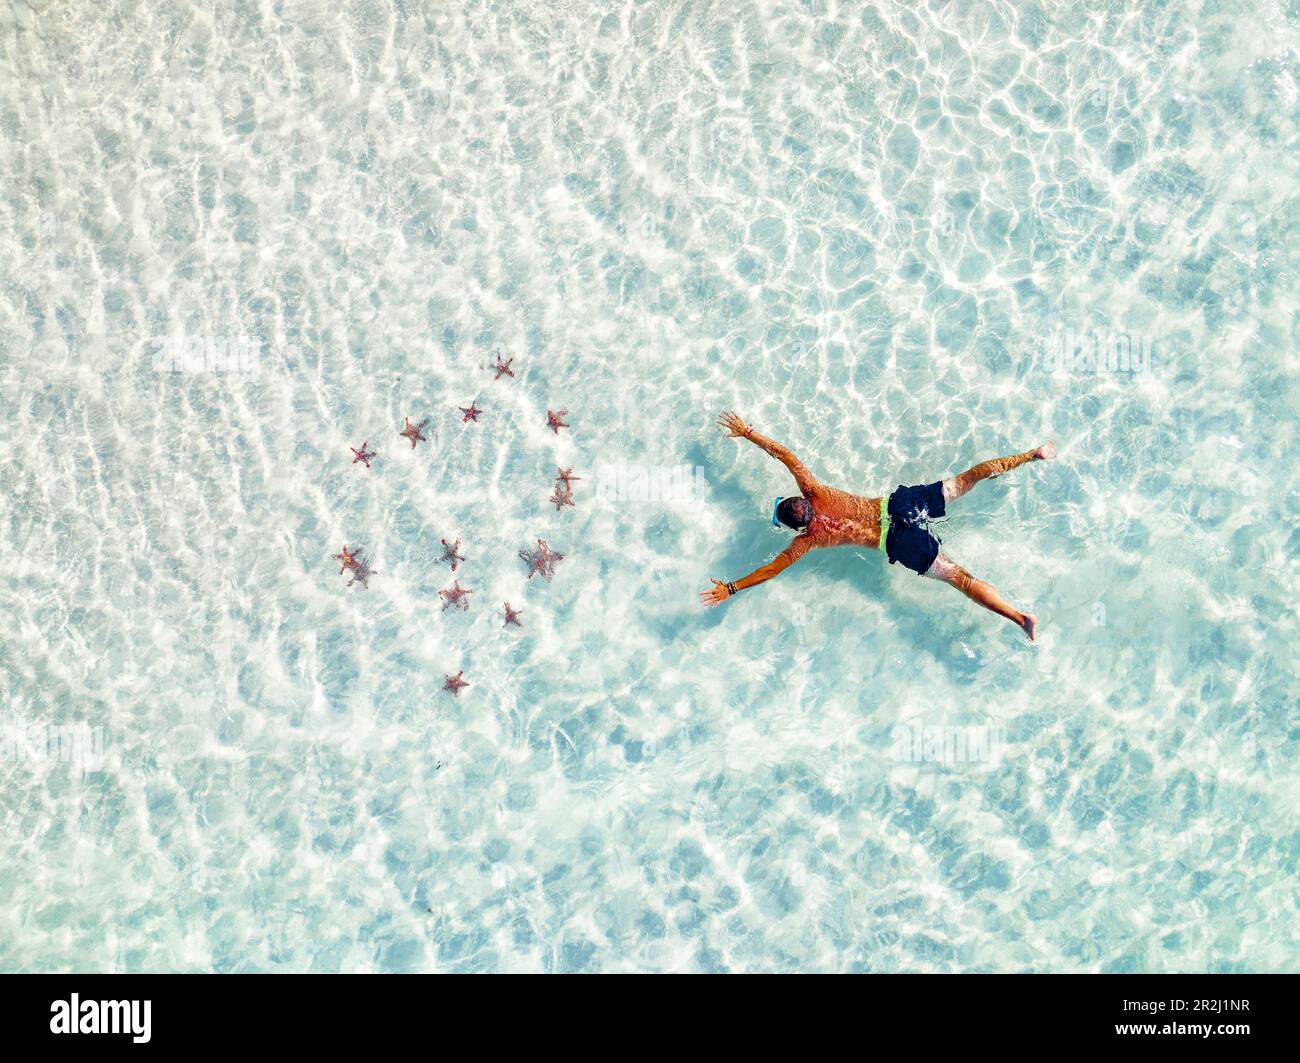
(563, 494)
(540, 562)
(361, 570)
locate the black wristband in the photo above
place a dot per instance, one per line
(731, 588)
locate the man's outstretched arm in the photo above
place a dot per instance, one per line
(787, 557)
(734, 426)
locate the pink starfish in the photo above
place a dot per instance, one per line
(471, 412)
(542, 561)
(362, 455)
(449, 553)
(566, 475)
(414, 432)
(512, 616)
(562, 497)
(455, 595)
(555, 420)
(349, 560)
(361, 573)
(455, 683)
(503, 368)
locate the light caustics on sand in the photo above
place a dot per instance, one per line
(235, 241)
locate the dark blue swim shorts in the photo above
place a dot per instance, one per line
(909, 541)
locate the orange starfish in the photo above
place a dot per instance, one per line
(413, 432)
(542, 561)
(349, 560)
(361, 573)
(449, 553)
(455, 595)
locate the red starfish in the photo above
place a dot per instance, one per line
(349, 560)
(361, 455)
(512, 616)
(449, 553)
(414, 432)
(542, 561)
(361, 573)
(555, 420)
(455, 595)
(455, 682)
(471, 412)
(503, 368)
(566, 475)
(561, 498)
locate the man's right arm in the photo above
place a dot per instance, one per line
(735, 426)
(785, 456)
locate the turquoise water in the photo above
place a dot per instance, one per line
(237, 239)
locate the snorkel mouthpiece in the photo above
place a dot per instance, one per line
(775, 522)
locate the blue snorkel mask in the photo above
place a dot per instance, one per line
(776, 523)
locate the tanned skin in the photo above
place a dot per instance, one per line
(838, 518)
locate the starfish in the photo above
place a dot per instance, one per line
(561, 497)
(555, 420)
(449, 553)
(471, 412)
(362, 455)
(566, 475)
(361, 573)
(542, 561)
(455, 595)
(414, 432)
(455, 682)
(503, 368)
(512, 616)
(349, 560)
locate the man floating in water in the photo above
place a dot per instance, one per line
(827, 516)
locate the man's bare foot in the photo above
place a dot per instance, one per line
(1029, 623)
(1046, 452)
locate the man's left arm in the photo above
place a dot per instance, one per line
(787, 557)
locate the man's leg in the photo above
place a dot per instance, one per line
(956, 486)
(984, 594)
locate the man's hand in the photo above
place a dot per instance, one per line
(733, 425)
(717, 595)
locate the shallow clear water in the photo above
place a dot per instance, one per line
(864, 227)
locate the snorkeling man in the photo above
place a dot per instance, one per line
(827, 516)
